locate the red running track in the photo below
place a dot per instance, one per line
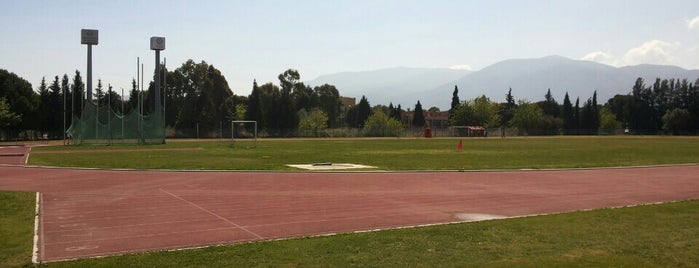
(87, 213)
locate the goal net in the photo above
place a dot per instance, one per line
(244, 130)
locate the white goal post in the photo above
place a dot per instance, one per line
(243, 122)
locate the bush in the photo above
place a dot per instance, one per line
(381, 125)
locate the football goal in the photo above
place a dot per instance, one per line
(244, 129)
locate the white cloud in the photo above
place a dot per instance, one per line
(599, 56)
(693, 23)
(651, 52)
(465, 67)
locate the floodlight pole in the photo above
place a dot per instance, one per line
(157, 43)
(64, 115)
(89, 72)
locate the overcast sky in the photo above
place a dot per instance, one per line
(249, 40)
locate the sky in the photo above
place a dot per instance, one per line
(260, 39)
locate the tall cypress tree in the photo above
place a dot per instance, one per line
(418, 116)
(363, 111)
(594, 120)
(576, 114)
(568, 115)
(78, 94)
(454, 102)
(67, 96)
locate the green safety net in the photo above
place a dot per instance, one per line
(102, 125)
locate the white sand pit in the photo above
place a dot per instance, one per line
(478, 217)
(329, 166)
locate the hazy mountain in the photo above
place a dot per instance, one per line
(389, 85)
(531, 78)
(528, 78)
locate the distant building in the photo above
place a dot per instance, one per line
(348, 102)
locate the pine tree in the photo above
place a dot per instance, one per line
(363, 111)
(594, 120)
(254, 111)
(78, 94)
(133, 97)
(67, 97)
(568, 115)
(418, 116)
(549, 105)
(576, 114)
(454, 102)
(55, 117)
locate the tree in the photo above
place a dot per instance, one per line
(568, 115)
(133, 97)
(527, 117)
(608, 122)
(357, 115)
(329, 102)
(44, 109)
(381, 125)
(20, 97)
(55, 116)
(576, 115)
(477, 112)
(7, 117)
(549, 106)
(288, 80)
(622, 107)
(455, 102)
(507, 110)
(313, 122)
(78, 89)
(418, 116)
(677, 121)
(254, 110)
(67, 96)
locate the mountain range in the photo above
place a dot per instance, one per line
(528, 78)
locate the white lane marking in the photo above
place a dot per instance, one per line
(35, 247)
(212, 213)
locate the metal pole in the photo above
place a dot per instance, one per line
(64, 116)
(122, 115)
(109, 114)
(89, 72)
(142, 108)
(157, 81)
(97, 116)
(164, 96)
(138, 96)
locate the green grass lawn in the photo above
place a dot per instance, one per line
(386, 154)
(16, 228)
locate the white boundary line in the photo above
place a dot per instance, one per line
(35, 249)
(213, 214)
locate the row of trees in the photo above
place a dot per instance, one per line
(197, 96)
(546, 117)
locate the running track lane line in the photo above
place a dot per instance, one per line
(213, 214)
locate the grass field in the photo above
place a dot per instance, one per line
(16, 228)
(385, 154)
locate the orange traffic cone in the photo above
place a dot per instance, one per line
(460, 146)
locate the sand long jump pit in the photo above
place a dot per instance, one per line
(90, 213)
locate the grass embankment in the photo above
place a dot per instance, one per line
(16, 228)
(658, 235)
(386, 154)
